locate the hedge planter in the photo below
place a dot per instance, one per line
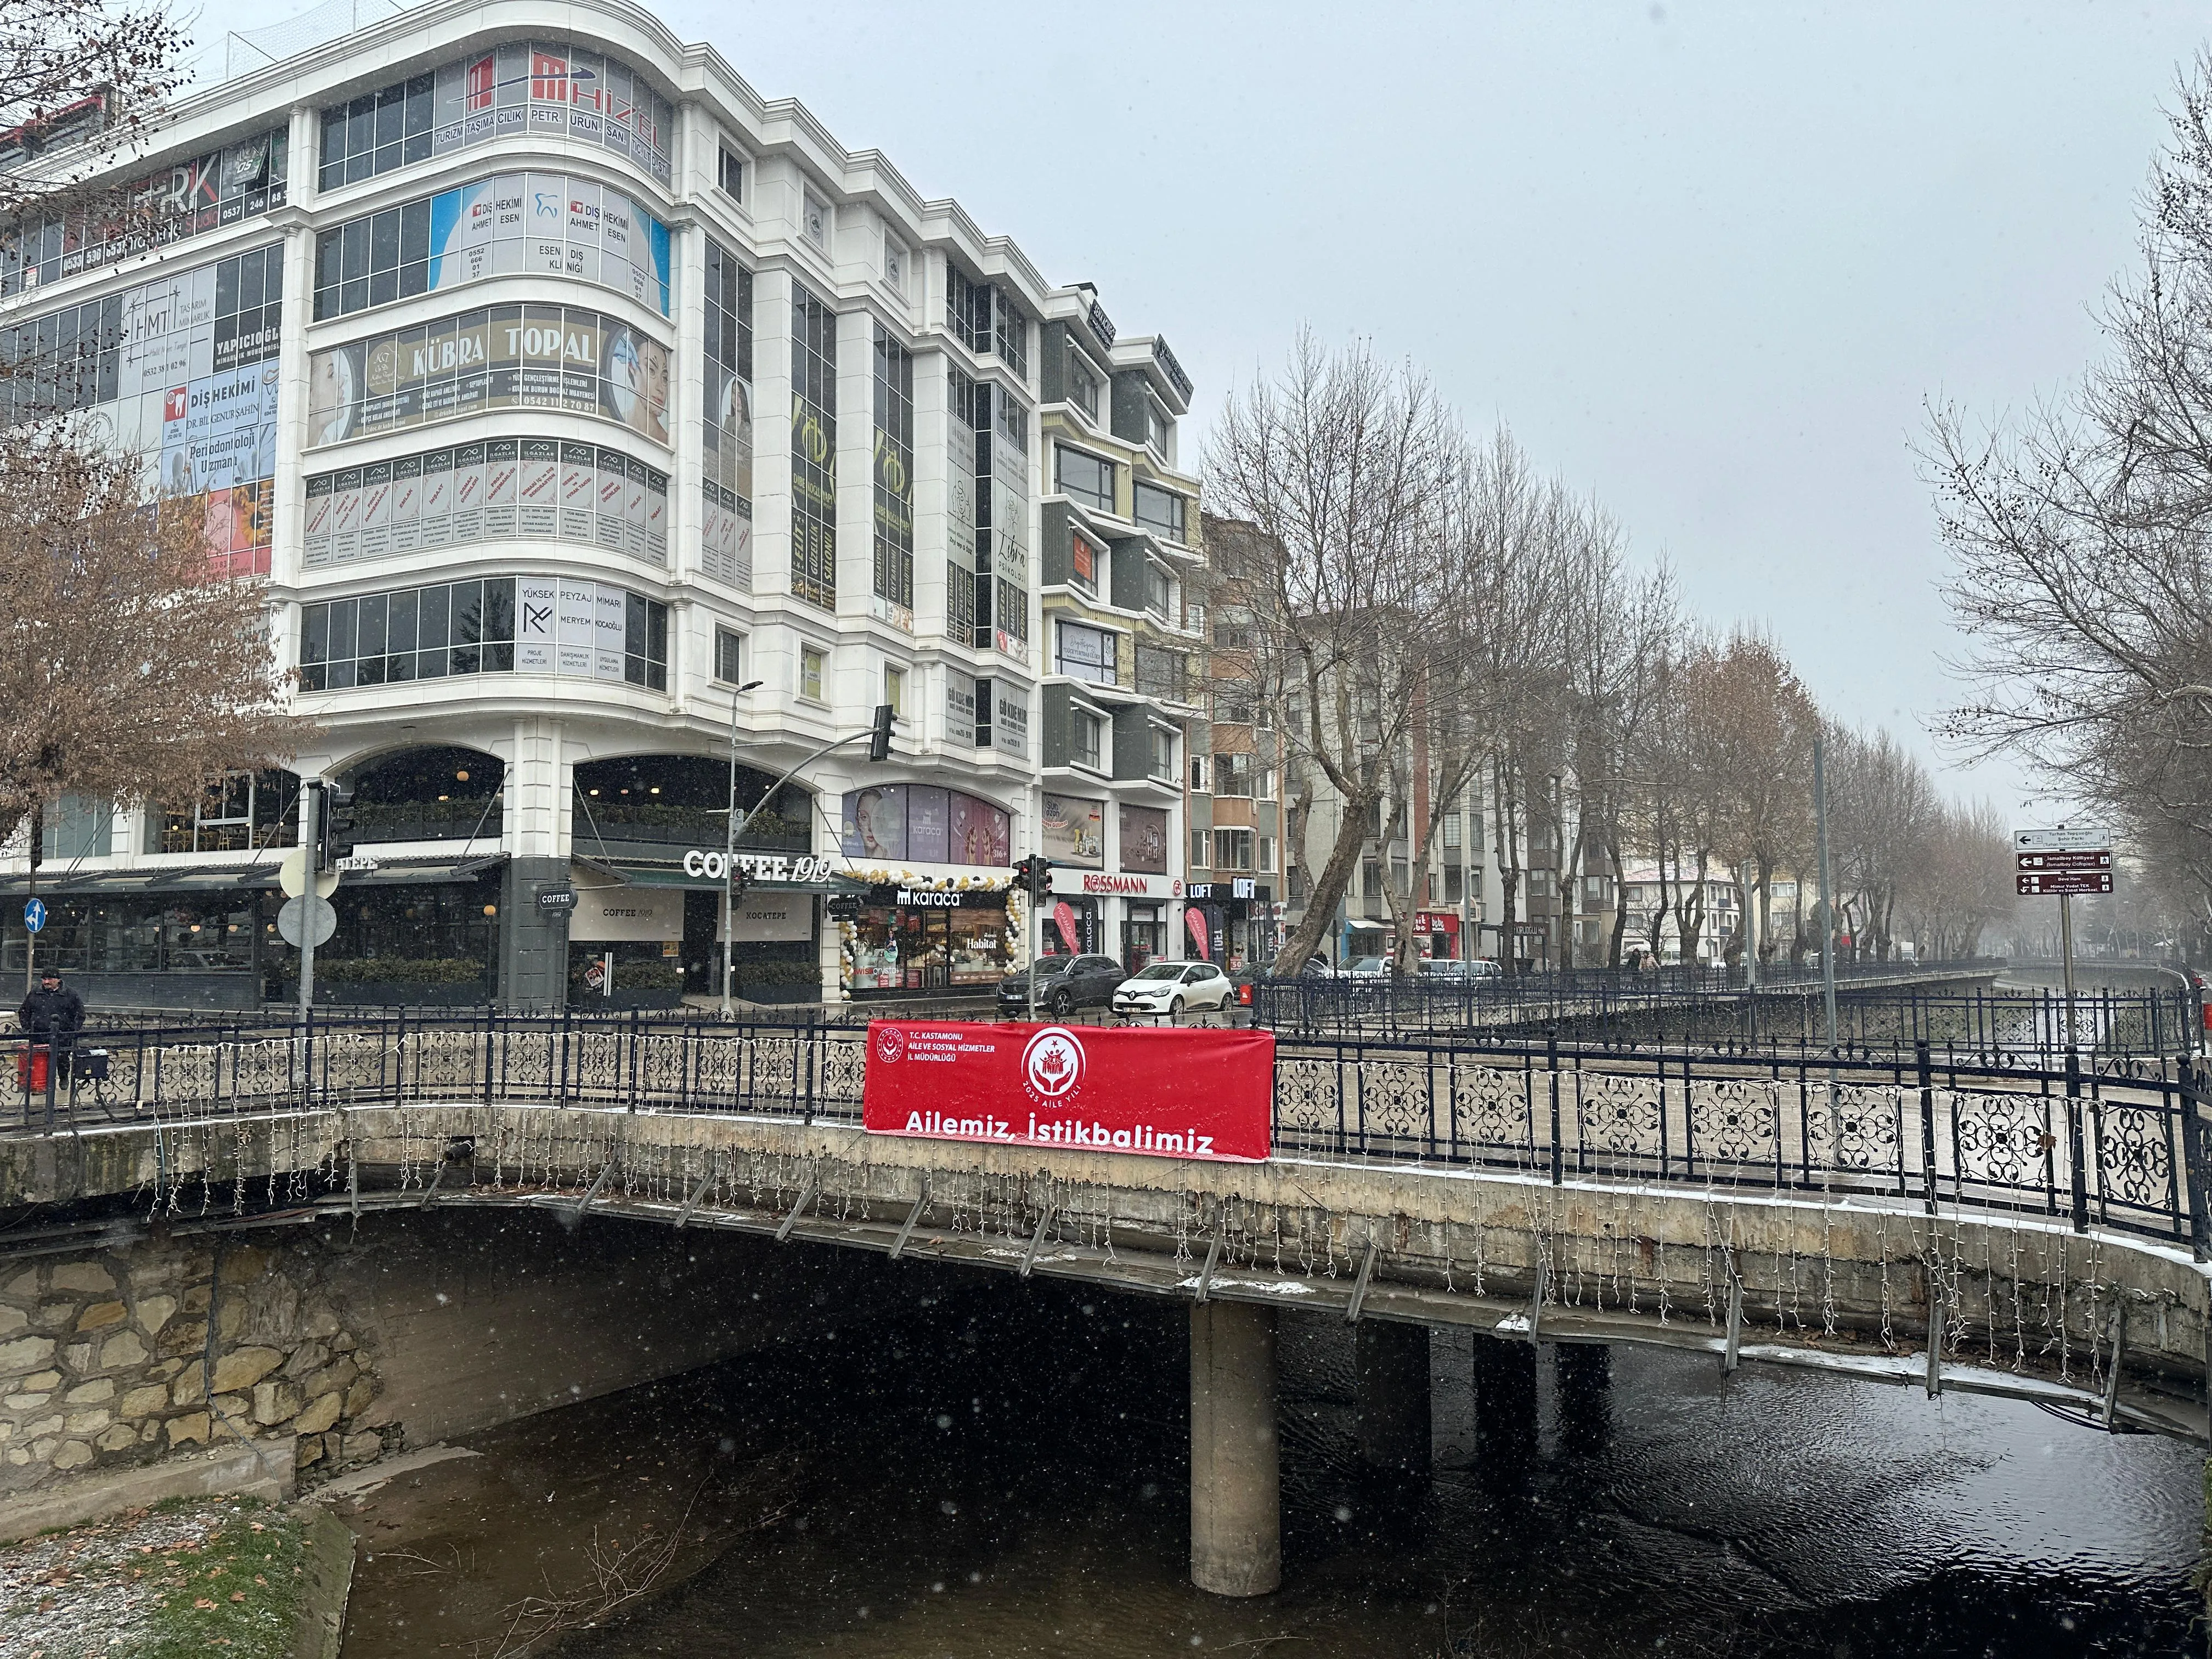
(779, 993)
(397, 993)
(593, 1003)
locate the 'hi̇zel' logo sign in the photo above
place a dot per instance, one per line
(1053, 1065)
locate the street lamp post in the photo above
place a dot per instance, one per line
(730, 857)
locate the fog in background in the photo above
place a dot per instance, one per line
(1707, 260)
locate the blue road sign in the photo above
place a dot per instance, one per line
(34, 915)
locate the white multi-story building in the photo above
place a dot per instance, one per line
(460, 326)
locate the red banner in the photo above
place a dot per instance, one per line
(1155, 1090)
(1196, 920)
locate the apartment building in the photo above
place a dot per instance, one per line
(459, 327)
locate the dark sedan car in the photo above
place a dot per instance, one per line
(1063, 984)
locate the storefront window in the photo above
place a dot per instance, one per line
(927, 947)
(242, 810)
(1144, 936)
(194, 934)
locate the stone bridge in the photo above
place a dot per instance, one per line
(2024, 1234)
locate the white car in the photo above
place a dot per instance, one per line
(1170, 988)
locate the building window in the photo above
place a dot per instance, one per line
(1541, 884)
(1294, 883)
(810, 673)
(1159, 430)
(1455, 884)
(1233, 775)
(1198, 773)
(1163, 754)
(1160, 510)
(432, 243)
(1082, 561)
(1200, 857)
(1086, 479)
(377, 131)
(968, 309)
(1451, 829)
(1233, 702)
(1158, 595)
(1083, 386)
(1086, 653)
(983, 320)
(1162, 674)
(1232, 850)
(959, 602)
(814, 219)
(730, 172)
(1089, 739)
(729, 657)
(894, 264)
(520, 85)
(725, 426)
(895, 689)
(1370, 879)
(894, 561)
(1267, 845)
(813, 450)
(580, 629)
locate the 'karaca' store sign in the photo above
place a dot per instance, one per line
(1161, 1092)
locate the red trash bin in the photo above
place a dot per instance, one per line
(31, 1070)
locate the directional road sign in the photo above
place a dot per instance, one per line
(2062, 840)
(2062, 884)
(35, 915)
(2101, 859)
(292, 919)
(292, 876)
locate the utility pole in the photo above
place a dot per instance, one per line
(729, 857)
(2066, 949)
(38, 853)
(1827, 906)
(311, 804)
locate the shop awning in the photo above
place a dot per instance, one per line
(630, 873)
(423, 872)
(124, 883)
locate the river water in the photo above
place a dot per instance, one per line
(1002, 1472)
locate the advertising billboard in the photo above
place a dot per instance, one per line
(1159, 1091)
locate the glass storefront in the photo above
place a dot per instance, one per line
(188, 933)
(1071, 928)
(914, 940)
(1144, 936)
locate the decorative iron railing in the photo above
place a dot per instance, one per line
(2126, 1143)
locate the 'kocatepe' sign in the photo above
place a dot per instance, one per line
(1166, 1092)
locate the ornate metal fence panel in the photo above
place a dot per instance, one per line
(2123, 1143)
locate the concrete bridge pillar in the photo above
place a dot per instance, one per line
(1235, 1472)
(1393, 1370)
(1584, 1375)
(1451, 1397)
(1505, 1403)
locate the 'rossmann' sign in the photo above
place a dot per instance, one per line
(1165, 1093)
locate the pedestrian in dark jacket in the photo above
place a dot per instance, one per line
(52, 1014)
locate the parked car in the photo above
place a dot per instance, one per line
(1063, 984)
(1171, 987)
(1367, 967)
(1449, 969)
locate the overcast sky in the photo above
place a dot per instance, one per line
(1708, 261)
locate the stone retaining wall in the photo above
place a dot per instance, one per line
(105, 1358)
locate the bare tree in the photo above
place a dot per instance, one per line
(2079, 538)
(79, 79)
(130, 675)
(1341, 469)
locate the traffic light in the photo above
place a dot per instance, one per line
(1033, 873)
(333, 824)
(879, 739)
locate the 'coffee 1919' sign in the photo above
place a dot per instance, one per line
(756, 866)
